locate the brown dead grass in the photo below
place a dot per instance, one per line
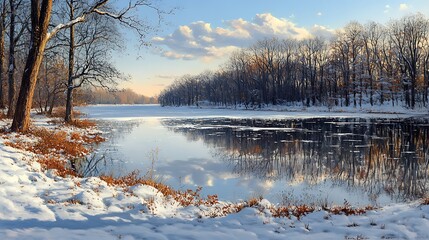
(54, 147)
(62, 170)
(133, 179)
(74, 201)
(3, 115)
(82, 123)
(350, 211)
(88, 139)
(56, 142)
(297, 211)
(79, 123)
(73, 145)
(425, 201)
(347, 209)
(184, 198)
(60, 112)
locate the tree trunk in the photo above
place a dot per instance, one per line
(69, 102)
(11, 67)
(52, 103)
(40, 17)
(2, 55)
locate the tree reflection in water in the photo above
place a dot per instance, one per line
(379, 155)
(107, 159)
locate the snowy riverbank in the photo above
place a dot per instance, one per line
(36, 204)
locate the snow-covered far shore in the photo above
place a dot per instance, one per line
(37, 204)
(128, 112)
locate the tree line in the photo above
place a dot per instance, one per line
(368, 63)
(105, 96)
(57, 47)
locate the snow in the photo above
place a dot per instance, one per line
(132, 112)
(40, 205)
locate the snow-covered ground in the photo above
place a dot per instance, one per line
(40, 205)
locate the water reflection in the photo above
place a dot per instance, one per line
(108, 159)
(381, 156)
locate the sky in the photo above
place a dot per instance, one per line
(200, 35)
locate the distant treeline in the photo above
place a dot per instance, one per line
(125, 96)
(364, 63)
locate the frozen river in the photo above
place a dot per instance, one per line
(289, 157)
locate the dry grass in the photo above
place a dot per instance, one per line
(54, 147)
(82, 123)
(184, 198)
(79, 123)
(425, 201)
(193, 197)
(3, 115)
(73, 145)
(133, 179)
(253, 201)
(48, 163)
(74, 201)
(60, 112)
(56, 142)
(347, 209)
(88, 139)
(302, 210)
(297, 211)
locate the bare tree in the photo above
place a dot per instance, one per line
(50, 86)
(3, 14)
(89, 46)
(373, 43)
(409, 35)
(40, 18)
(16, 13)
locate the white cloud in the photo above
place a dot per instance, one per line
(322, 31)
(319, 14)
(199, 40)
(174, 55)
(403, 6)
(386, 8)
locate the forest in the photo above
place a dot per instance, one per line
(370, 63)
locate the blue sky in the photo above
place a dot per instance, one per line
(201, 33)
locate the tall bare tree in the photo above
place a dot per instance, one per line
(409, 35)
(89, 47)
(3, 14)
(40, 18)
(17, 26)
